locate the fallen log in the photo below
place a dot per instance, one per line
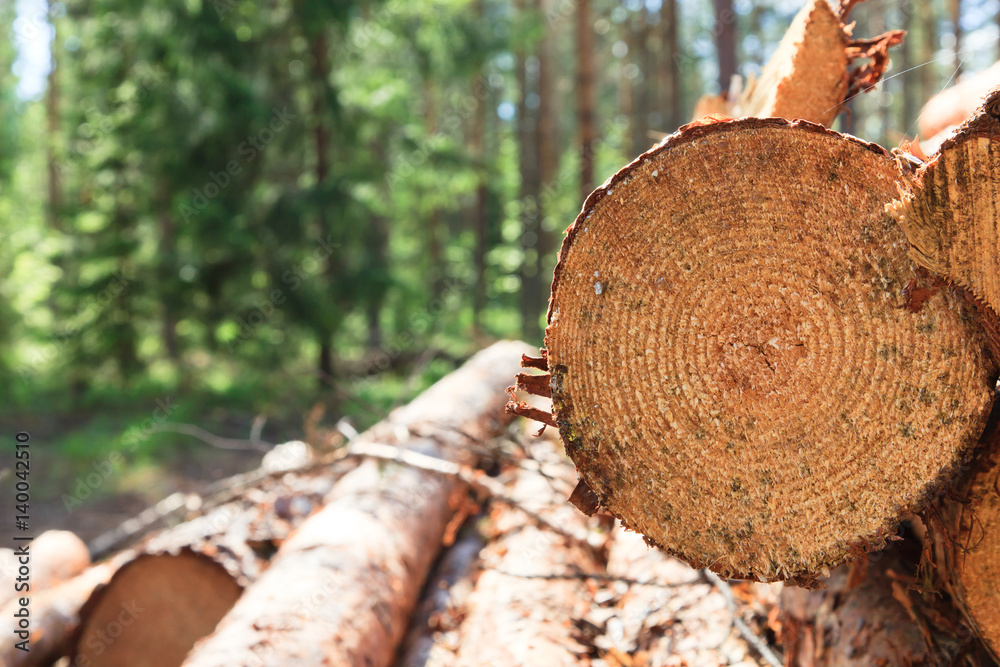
(55, 556)
(215, 553)
(955, 105)
(341, 589)
(153, 610)
(533, 581)
(55, 616)
(880, 619)
(743, 365)
(963, 530)
(433, 638)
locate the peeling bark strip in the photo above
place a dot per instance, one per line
(952, 218)
(541, 363)
(340, 590)
(584, 499)
(864, 78)
(735, 371)
(537, 385)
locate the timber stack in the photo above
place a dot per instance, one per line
(769, 376)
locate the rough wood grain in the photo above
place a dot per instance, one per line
(952, 215)
(738, 370)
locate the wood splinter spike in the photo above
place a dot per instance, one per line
(735, 371)
(535, 384)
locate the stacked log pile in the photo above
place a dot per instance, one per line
(771, 355)
(345, 563)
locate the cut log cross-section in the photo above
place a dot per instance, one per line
(952, 216)
(737, 368)
(162, 601)
(807, 75)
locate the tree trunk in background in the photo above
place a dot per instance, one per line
(877, 26)
(725, 41)
(956, 19)
(531, 281)
(168, 267)
(378, 251)
(908, 56)
(478, 155)
(585, 95)
(547, 141)
(671, 88)
(625, 93)
(647, 81)
(320, 67)
(928, 76)
(52, 124)
(635, 39)
(435, 267)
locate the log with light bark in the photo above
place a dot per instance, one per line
(341, 589)
(55, 616)
(533, 580)
(953, 106)
(55, 556)
(745, 364)
(809, 76)
(432, 638)
(183, 579)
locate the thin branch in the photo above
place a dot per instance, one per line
(211, 438)
(107, 542)
(493, 488)
(752, 638)
(256, 427)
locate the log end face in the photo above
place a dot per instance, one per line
(157, 600)
(747, 387)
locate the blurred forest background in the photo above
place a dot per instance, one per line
(215, 212)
